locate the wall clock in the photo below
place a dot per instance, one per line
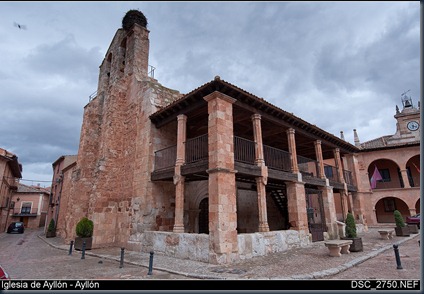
(412, 126)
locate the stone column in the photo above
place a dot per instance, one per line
(292, 151)
(222, 183)
(329, 211)
(178, 179)
(405, 179)
(359, 209)
(339, 166)
(257, 134)
(374, 216)
(343, 193)
(262, 180)
(318, 152)
(296, 200)
(344, 204)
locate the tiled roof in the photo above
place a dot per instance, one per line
(32, 189)
(375, 143)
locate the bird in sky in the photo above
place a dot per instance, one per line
(21, 27)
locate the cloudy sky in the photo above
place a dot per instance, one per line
(338, 65)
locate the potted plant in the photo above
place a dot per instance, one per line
(401, 229)
(84, 231)
(350, 232)
(51, 229)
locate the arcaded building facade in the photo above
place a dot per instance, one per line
(397, 157)
(215, 175)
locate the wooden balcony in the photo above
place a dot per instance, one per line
(277, 161)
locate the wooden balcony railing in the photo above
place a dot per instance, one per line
(348, 177)
(165, 158)
(244, 150)
(307, 166)
(331, 172)
(277, 158)
(196, 149)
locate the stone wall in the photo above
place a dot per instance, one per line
(196, 246)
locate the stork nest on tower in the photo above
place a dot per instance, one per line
(133, 17)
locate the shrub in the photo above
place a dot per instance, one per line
(350, 229)
(398, 219)
(84, 228)
(51, 226)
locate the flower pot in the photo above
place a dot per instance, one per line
(50, 234)
(356, 244)
(402, 231)
(79, 242)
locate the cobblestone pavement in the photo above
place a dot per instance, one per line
(25, 256)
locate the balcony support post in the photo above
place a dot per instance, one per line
(292, 149)
(179, 181)
(262, 180)
(223, 243)
(318, 152)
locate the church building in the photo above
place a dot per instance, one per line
(218, 174)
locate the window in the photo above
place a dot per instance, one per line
(328, 170)
(389, 205)
(26, 207)
(385, 174)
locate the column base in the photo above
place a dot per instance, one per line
(263, 228)
(178, 229)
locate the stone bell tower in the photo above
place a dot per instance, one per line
(111, 181)
(128, 53)
(408, 127)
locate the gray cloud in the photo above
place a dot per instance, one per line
(339, 65)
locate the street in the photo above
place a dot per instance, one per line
(27, 257)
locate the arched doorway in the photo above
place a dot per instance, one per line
(385, 207)
(204, 216)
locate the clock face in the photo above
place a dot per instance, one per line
(412, 126)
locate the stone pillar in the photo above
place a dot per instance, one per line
(374, 216)
(318, 152)
(329, 211)
(296, 200)
(257, 134)
(292, 151)
(178, 179)
(344, 204)
(263, 218)
(339, 166)
(222, 183)
(359, 209)
(262, 180)
(405, 179)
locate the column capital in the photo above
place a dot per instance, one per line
(182, 117)
(290, 131)
(219, 95)
(317, 142)
(256, 116)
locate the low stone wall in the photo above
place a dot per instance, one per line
(196, 246)
(264, 243)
